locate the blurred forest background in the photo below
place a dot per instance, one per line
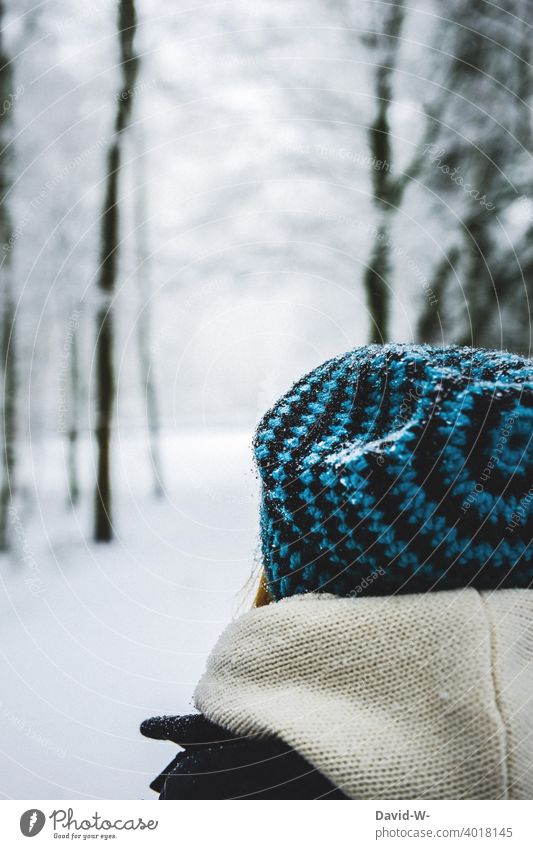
(198, 204)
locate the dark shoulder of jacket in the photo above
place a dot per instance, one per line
(216, 764)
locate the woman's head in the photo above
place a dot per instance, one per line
(398, 468)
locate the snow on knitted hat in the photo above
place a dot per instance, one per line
(399, 468)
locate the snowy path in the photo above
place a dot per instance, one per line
(105, 636)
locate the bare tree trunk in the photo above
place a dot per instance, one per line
(9, 394)
(7, 328)
(103, 529)
(148, 384)
(103, 521)
(384, 185)
(389, 188)
(73, 426)
(376, 284)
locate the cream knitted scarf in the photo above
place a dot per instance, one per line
(403, 697)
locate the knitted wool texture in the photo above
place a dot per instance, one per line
(409, 459)
(405, 697)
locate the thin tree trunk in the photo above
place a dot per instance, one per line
(376, 284)
(9, 394)
(148, 385)
(7, 306)
(73, 427)
(103, 527)
(103, 520)
(385, 186)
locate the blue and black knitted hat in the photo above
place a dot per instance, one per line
(400, 468)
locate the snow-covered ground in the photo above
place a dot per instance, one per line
(96, 638)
